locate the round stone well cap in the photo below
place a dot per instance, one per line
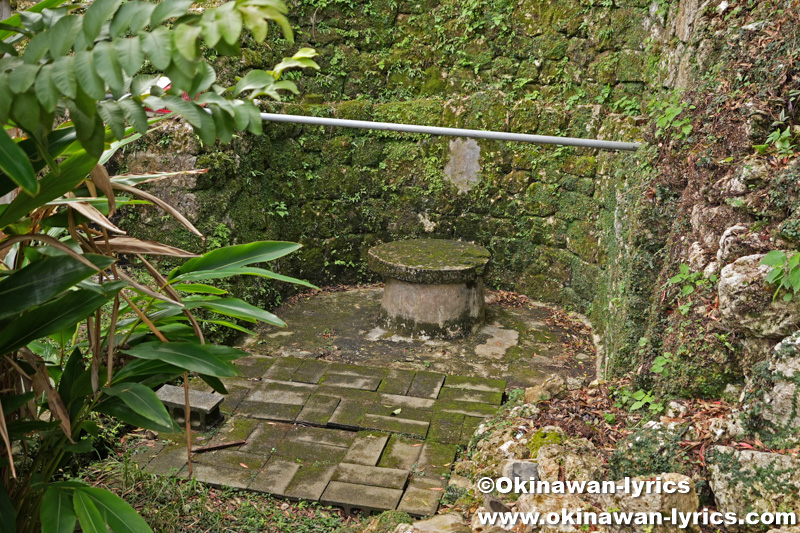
(429, 260)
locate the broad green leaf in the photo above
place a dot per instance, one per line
(107, 66)
(210, 24)
(72, 370)
(191, 356)
(41, 280)
(214, 383)
(26, 112)
(138, 369)
(774, 258)
(16, 165)
(5, 99)
(142, 400)
(230, 27)
(57, 512)
(8, 512)
(21, 78)
(237, 256)
(129, 53)
(255, 21)
(62, 35)
(240, 271)
(89, 517)
(118, 409)
(117, 512)
(188, 110)
(133, 16)
(169, 9)
(223, 123)
(156, 44)
(55, 316)
(37, 48)
(199, 288)
(65, 77)
(236, 308)
(91, 83)
(203, 80)
(96, 15)
(15, 19)
(255, 79)
(185, 40)
(114, 116)
(134, 114)
(13, 402)
(295, 62)
(231, 325)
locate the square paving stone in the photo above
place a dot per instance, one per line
(311, 371)
(168, 461)
(233, 399)
(366, 448)
(219, 476)
(426, 385)
(264, 437)
(435, 460)
(466, 408)
(233, 459)
(233, 429)
(397, 400)
(326, 436)
(281, 392)
(275, 476)
(279, 412)
(471, 424)
(479, 384)
(349, 369)
(283, 368)
(254, 366)
(308, 452)
(421, 498)
(392, 478)
(348, 381)
(469, 395)
(318, 410)
(348, 415)
(353, 497)
(401, 453)
(143, 453)
(310, 482)
(446, 427)
(344, 393)
(397, 381)
(395, 424)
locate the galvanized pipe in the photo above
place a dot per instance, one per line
(453, 132)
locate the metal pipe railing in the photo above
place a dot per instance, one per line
(452, 132)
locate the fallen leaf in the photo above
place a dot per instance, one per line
(244, 465)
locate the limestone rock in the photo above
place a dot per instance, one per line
(795, 529)
(746, 303)
(550, 503)
(577, 457)
(738, 241)
(749, 481)
(708, 223)
(443, 523)
(553, 387)
(522, 469)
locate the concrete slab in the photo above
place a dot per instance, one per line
(308, 452)
(310, 371)
(325, 436)
(265, 436)
(222, 477)
(395, 424)
(426, 385)
(466, 408)
(348, 415)
(254, 366)
(446, 427)
(468, 395)
(279, 412)
(281, 392)
(471, 423)
(283, 368)
(354, 498)
(233, 399)
(318, 410)
(421, 498)
(366, 449)
(397, 400)
(397, 381)
(232, 459)
(275, 476)
(392, 478)
(310, 482)
(349, 381)
(401, 453)
(168, 461)
(473, 383)
(435, 460)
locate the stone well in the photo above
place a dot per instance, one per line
(433, 288)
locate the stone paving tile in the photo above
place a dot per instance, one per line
(479, 384)
(308, 452)
(468, 395)
(310, 481)
(233, 399)
(143, 454)
(471, 423)
(348, 415)
(234, 428)
(280, 412)
(348, 381)
(435, 460)
(283, 368)
(254, 366)
(426, 385)
(281, 392)
(446, 427)
(327, 437)
(406, 401)
(265, 436)
(366, 448)
(422, 496)
(275, 476)
(392, 478)
(233, 459)
(353, 497)
(169, 461)
(219, 476)
(356, 370)
(310, 371)
(395, 424)
(466, 408)
(401, 453)
(397, 381)
(318, 410)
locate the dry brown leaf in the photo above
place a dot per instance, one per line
(42, 385)
(162, 204)
(147, 290)
(101, 178)
(91, 212)
(7, 441)
(129, 245)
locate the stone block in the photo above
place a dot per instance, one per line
(446, 428)
(168, 461)
(310, 481)
(265, 436)
(280, 412)
(308, 452)
(435, 460)
(222, 477)
(275, 476)
(396, 400)
(469, 395)
(232, 459)
(466, 408)
(369, 383)
(318, 410)
(353, 497)
(204, 406)
(426, 385)
(348, 415)
(479, 384)
(421, 498)
(233, 399)
(310, 371)
(281, 392)
(395, 424)
(366, 449)
(400, 453)
(283, 368)
(397, 381)
(392, 478)
(325, 436)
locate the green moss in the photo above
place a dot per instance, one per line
(543, 438)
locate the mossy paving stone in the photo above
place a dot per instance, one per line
(318, 410)
(410, 413)
(348, 369)
(310, 481)
(401, 453)
(352, 496)
(233, 399)
(307, 452)
(469, 395)
(397, 381)
(265, 436)
(279, 412)
(395, 424)
(254, 366)
(479, 384)
(282, 392)
(348, 414)
(466, 408)
(348, 381)
(471, 424)
(391, 478)
(422, 496)
(426, 385)
(219, 476)
(233, 429)
(406, 401)
(168, 461)
(366, 448)
(435, 460)
(346, 393)
(275, 476)
(446, 428)
(233, 459)
(326, 436)
(283, 368)
(310, 371)
(144, 453)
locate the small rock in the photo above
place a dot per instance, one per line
(443, 523)
(675, 410)
(494, 505)
(459, 482)
(577, 458)
(575, 383)
(553, 387)
(522, 469)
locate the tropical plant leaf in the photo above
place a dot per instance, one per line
(142, 400)
(242, 271)
(236, 256)
(16, 165)
(129, 245)
(191, 356)
(89, 516)
(96, 15)
(57, 511)
(118, 409)
(117, 512)
(236, 308)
